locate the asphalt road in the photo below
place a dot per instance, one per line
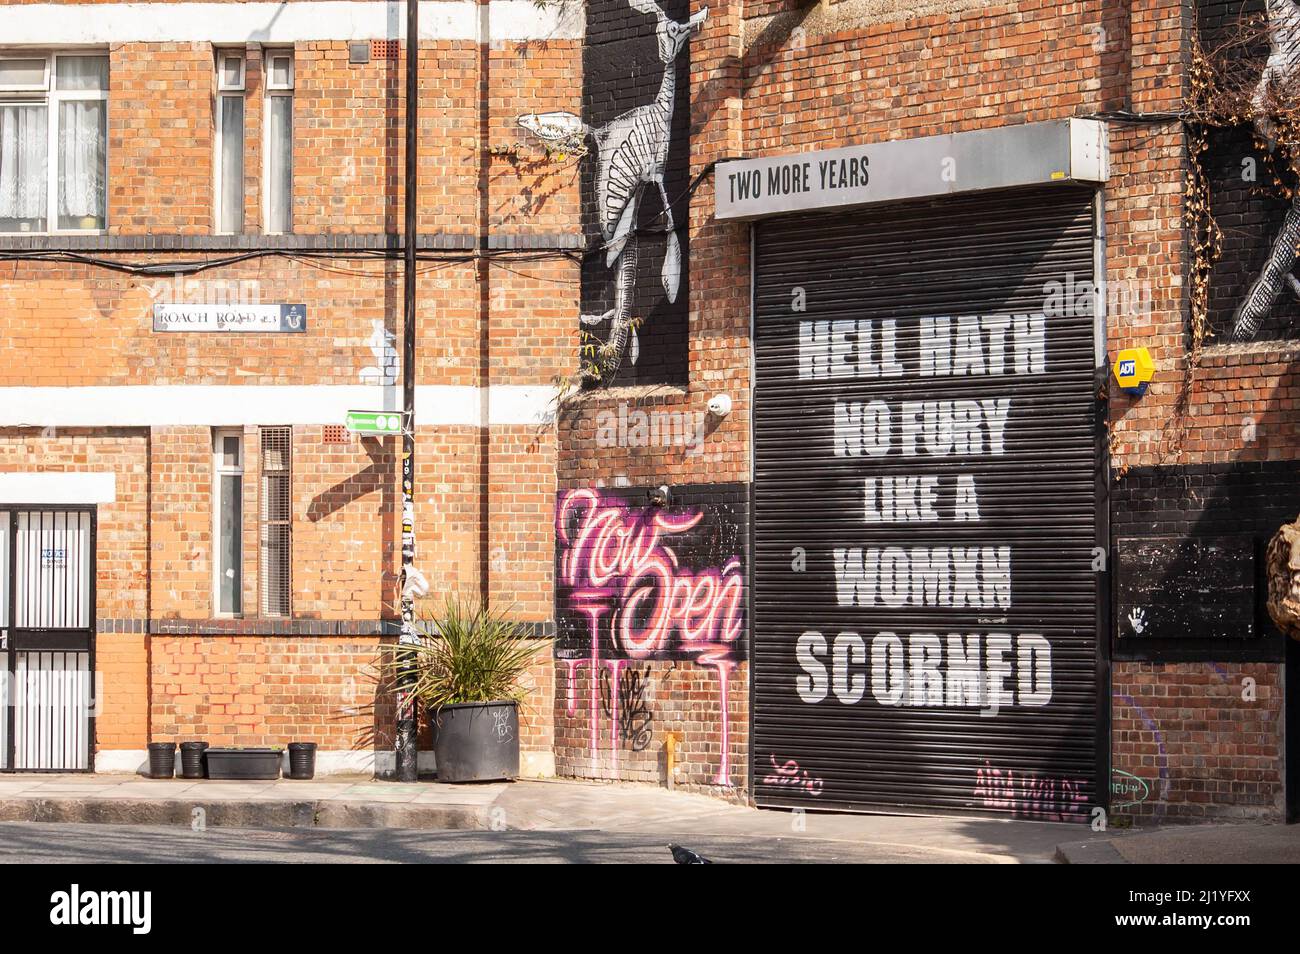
(61, 843)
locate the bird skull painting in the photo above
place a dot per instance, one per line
(631, 155)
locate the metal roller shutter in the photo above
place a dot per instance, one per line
(925, 595)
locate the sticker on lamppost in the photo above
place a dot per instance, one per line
(374, 422)
(277, 319)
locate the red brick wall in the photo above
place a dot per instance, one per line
(1203, 738)
(160, 145)
(1185, 728)
(683, 700)
(485, 493)
(267, 690)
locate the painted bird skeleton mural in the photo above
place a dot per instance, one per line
(1279, 80)
(631, 156)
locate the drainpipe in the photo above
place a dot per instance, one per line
(407, 768)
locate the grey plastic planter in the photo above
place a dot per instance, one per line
(477, 742)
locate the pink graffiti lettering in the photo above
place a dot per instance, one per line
(789, 773)
(1043, 797)
(618, 555)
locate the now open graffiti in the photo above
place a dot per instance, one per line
(637, 582)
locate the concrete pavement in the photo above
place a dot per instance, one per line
(1190, 844)
(524, 806)
(643, 817)
(97, 844)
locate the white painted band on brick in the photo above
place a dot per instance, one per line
(53, 488)
(537, 764)
(161, 405)
(122, 760)
(58, 24)
(341, 762)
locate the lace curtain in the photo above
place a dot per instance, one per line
(23, 132)
(82, 131)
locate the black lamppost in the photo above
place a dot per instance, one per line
(407, 768)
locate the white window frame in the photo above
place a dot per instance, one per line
(51, 97)
(224, 92)
(45, 84)
(220, 469)
(271, 92)
(242, 84)
(273, 54)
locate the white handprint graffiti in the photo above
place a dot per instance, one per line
(1138, 620)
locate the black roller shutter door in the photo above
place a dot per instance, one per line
(925, 585)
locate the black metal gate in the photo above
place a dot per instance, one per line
(47, 630)
(926, 508)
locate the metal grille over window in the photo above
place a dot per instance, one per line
(275, 520)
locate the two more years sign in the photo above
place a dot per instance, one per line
(1058, 151)
(785, 177)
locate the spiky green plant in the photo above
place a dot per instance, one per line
(466, 653)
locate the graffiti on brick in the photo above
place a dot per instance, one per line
(639, 154)
(625, 702)
(1127, 789)
(636, 583)
(1247, 166)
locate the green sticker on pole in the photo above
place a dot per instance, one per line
(374, 422)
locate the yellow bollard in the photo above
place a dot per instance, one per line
(670, 757)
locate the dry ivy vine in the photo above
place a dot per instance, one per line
(1222, 85)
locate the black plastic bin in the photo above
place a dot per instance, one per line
(162, 759)
(302, 761)
(193, 764)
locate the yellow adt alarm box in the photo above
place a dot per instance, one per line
(1134, 370)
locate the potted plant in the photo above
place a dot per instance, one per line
(467, 670)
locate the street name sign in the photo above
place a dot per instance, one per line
(374, 422)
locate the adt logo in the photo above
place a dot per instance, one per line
(1134, 370)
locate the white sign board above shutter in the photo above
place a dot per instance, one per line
(1065, 150)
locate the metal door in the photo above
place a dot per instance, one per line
(47, 627)
(926, 508)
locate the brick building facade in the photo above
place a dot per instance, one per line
(91, 388)
(1193, 726)
(616, 511)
